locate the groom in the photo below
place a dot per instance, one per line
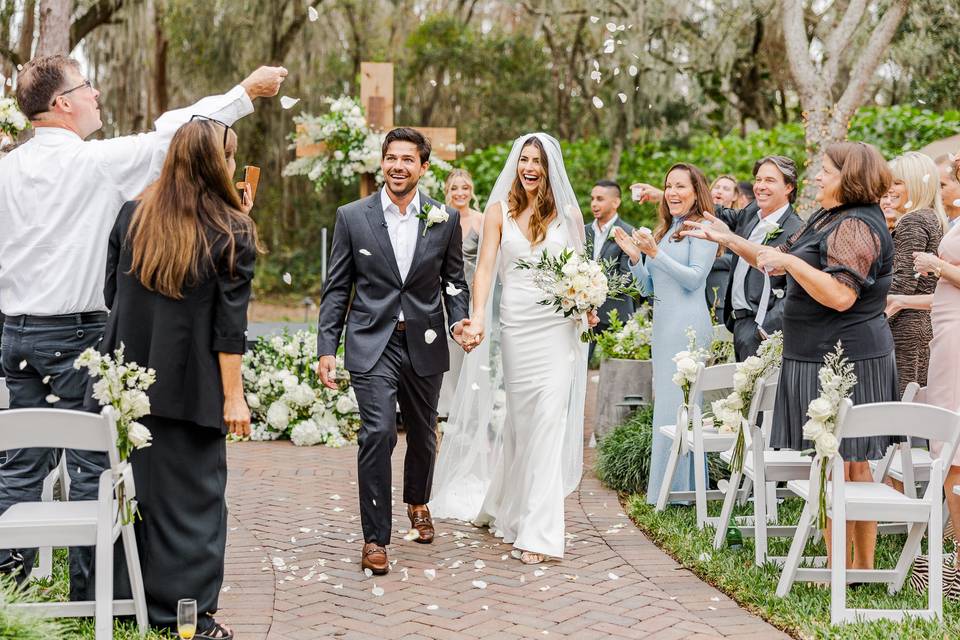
(397, 252)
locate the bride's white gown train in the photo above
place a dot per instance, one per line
(525, 502)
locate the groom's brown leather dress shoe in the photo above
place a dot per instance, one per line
(421, 521)
(374, 557)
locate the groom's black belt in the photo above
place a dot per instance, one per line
(401, 326)
(740, 314)
(87, 317)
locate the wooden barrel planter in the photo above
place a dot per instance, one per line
(619, 378)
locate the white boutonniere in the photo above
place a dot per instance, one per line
(432, 215)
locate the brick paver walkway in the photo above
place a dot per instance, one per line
(293, 567)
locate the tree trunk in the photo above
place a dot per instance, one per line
(160, 93)
(25, 47)
(54, 27)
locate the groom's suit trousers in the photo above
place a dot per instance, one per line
(392, 380)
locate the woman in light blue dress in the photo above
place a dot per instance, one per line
(674, 270)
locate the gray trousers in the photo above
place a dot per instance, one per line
(33, 349)
(746, 338)
(391, 381)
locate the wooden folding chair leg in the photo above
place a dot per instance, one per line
(727, 511)
(668, 476)
(792, 562)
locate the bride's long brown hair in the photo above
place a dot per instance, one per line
(190, 206)
(543, 203)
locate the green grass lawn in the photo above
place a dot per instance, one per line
(805, 612)
(56, 589)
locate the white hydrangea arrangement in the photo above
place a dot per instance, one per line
(12, 121)
(287, 400)
(122, 386)
(731, 412)
(837, 381)
(350, 148)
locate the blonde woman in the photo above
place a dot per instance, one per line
(460, 195)
(921, 223)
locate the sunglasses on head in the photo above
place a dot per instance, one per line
(226, 127)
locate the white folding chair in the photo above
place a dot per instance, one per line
(913, 463)
(76, 523)
(688, 435)
(875, 501)
(763, 467)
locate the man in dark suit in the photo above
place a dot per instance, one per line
(398, 253)
(770, 220)
(604, 202)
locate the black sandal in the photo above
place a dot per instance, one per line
(215, 632)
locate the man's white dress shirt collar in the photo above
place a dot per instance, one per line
(738, 297)
(601, 233)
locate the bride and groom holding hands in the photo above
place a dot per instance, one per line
(396, 265)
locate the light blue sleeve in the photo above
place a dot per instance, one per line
(644, 280)
(693, 275)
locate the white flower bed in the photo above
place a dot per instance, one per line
(287, 400)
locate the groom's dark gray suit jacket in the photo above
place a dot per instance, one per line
(362, 264)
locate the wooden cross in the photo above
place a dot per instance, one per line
(376, 96)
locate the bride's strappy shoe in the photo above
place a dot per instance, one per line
(529, 557)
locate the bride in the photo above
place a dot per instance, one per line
(510, 467)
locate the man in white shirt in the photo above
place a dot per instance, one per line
(604, 204)
(949, 188)
(59, 198)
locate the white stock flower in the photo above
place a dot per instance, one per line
(139, 435)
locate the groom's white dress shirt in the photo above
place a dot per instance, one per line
(402, 229)
(764, 226)
(60, 196)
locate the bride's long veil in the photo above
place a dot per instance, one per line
(473, 436)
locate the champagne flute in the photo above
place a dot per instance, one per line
(186, 618)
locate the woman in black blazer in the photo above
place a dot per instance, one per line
(178, 278)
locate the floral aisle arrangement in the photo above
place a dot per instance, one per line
(731, 412)
(122, 386)
(837, 381)
(350, 148)
(287, 400)
(575, 285)
(630, 340)
(12, 121)
(688, 363)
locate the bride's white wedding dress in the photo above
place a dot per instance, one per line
(508, 458)
(524, 504)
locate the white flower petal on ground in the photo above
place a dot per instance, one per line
(452, 290)
(432, 607)
(456, 564)
(287, 278)
(405, 573)
(429, 336)
(335, 497)
(479, 584)
(337, 509)
(613, 576)
(52, 399)
(287, 102)
(413, 534)
(479, 564)
(365, 252)
(538, 573)
(312, 14)
(338, 586)
(597, 102)
(431, 574)
(377, 591)
(545, 588)
(367, 572)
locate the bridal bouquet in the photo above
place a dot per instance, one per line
(122, 386)
(731, 412)
(12, 121)
(576, 285)
(837, 381)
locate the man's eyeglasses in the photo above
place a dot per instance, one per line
(226, 127)
(86, 83)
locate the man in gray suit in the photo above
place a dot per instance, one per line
(398, 254)
(604, 202)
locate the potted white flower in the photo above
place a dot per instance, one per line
(625, 366)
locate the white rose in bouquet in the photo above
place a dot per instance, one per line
(678, 379)
(306, 434)
(345, 404)
(812, 429)
(821, 409)
(740, 381)
(827, 444)
(688, 368)
(302, 395)
(681, 355)
(139, 435)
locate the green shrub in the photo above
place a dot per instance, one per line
(623, 455)
(19, 623)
